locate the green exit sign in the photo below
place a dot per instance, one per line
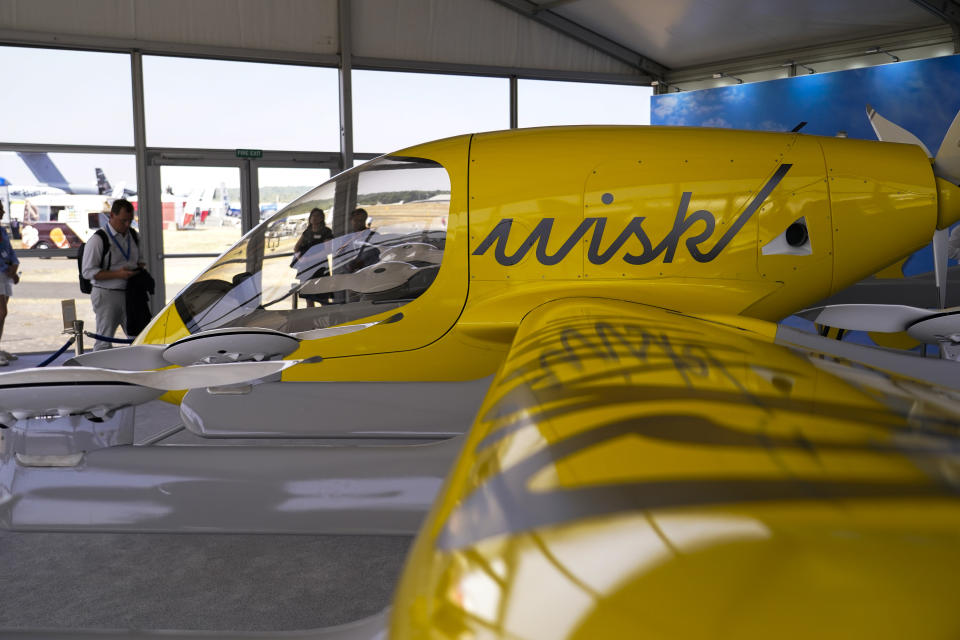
(249, 153)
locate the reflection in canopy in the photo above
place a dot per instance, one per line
(374, 263)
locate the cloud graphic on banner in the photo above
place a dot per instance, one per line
(716, 122)
(666, 106)
(773, 125)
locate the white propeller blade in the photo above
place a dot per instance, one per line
(227, 345)
(130, 358)
(412, 252)
(925, 325)
(230, 344)
(947, 163)
(940, 254)
(209, 375)
(937, 328)
(89, 390)
(890, 132)
(196, 376)
(329, 332)
(885, 318)
(382, 276)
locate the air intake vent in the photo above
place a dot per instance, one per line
(794, 241)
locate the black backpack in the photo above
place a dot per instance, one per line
(85, 285)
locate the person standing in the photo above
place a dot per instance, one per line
(316, 232)
(366, 253)
(8, 277)
(109, 260)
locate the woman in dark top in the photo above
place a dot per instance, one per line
(316, 232)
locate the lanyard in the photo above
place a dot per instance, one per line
(6, 250)
(126, 253)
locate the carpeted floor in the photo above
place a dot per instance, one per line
(191, 581)
(194, 581)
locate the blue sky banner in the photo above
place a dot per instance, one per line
(923, 96)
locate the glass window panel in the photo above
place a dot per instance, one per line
(179, 272)
(201, 214)
(323, 261)
(34, 322)
(393, 110)
(53, 200)
(224, 104)
(543, 103)
(42, 216)
(280, 186)
(66, 97)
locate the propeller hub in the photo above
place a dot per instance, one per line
(948, 203)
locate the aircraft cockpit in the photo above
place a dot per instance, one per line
(388, 223)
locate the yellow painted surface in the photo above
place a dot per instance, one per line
(639, 473)
(892, 272)
(884, 201)
(648, 463)
(900, 340)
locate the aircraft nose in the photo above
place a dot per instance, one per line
(948, 203)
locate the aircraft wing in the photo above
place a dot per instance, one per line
(637, 472)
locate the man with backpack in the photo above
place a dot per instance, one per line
(110, 258)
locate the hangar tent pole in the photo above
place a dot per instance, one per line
(149, 209)
(249, 197)
(346, 87)
(541, 13)
(514, 109)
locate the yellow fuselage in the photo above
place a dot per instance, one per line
(594, 242)
(674, 217)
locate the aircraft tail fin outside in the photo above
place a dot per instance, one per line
(103, 185)
(44, 170)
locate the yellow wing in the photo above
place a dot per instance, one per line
(636, 472)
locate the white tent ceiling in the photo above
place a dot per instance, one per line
(606, 39)
(684, 33)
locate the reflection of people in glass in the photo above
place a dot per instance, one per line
(366, 254)
(345, 295)
(316, 232)
(358, 220)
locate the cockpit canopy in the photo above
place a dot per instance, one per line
(367, 241)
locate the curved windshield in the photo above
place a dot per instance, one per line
(367, 241)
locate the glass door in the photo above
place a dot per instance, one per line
(201, 213)
(203, 201)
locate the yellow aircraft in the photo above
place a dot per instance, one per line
(652, 455)
(646, 459)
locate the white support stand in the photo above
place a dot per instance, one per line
(72, 326)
